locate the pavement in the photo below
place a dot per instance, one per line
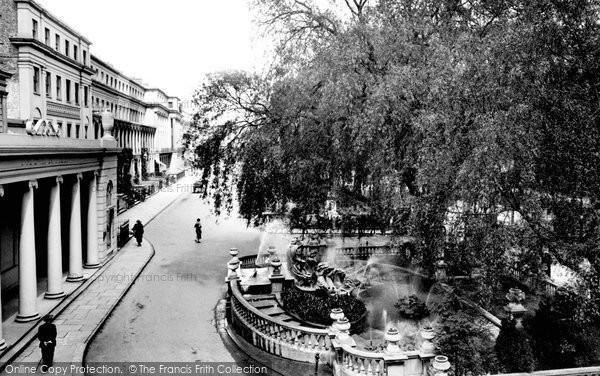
(168, 315)
(79, 316)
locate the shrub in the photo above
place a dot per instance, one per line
(463, 337)
(513, 349)
(411, 307)
(574, 340)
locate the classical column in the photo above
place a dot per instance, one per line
(75, 252)
(27, 270)
(92, 226)
(55, 289)
(2, 341)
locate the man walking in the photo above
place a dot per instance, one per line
(47, 336)
(138, 232)
(198, 227)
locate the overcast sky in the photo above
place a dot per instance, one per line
(170, 44)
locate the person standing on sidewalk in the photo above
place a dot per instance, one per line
(47, 336)
(198, 227)
(138, 232)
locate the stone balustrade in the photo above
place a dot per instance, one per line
(583, 371)
(364, 252)
(356, 362)
(275, 336)
(248, 262)
(545, 285)
(353, 362)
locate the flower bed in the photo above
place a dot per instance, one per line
(315, 307)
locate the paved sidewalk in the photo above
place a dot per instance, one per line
(82, 312)
(154, 205)
(77, 324)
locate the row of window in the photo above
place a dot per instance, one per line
(69, 51)
(121, 112)
(71, 92)
(115, 83)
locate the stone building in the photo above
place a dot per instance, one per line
(59, 152)
(147, 120)
(124, 97)
(57, 166)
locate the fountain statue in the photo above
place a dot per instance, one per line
(311, 272)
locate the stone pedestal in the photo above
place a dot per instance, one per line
(277, 282)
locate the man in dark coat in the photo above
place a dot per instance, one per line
(198, 227)
(138, 232)
(47, 336)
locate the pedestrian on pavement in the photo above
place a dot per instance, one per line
(198, 227)
(138, 232)
(47, 336)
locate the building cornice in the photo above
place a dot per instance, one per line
(36, 44)
(106, 65)
(5, 75)
(161, 106)
(12, 145)
(116, 92)
(49, 15)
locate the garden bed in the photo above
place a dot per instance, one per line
(314, 308)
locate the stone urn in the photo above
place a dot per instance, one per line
(108, 123)
(232, 265)
(276, 264)
(342, 328)
(336, 313)
(392, 337)
(515, 295)
(440, 365)
(515, 306)
(427, 334)
(233, 252)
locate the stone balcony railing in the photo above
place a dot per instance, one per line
(274, 336)
(357, 362)
(583, 371)
(364, 252)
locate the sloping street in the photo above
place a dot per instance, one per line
(169, 312)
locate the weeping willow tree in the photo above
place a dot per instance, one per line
(418, 112)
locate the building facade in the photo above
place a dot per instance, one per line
(147, 121)
(58, 158)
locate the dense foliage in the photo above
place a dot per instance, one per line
(563, 334)
(316, 306)
(472, 126)
(513, 349)
(411, 307)
(463, 337)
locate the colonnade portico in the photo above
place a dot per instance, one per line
(27, 249)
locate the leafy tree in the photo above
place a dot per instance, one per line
(410, 109)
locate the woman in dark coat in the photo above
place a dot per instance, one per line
(138, 232)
